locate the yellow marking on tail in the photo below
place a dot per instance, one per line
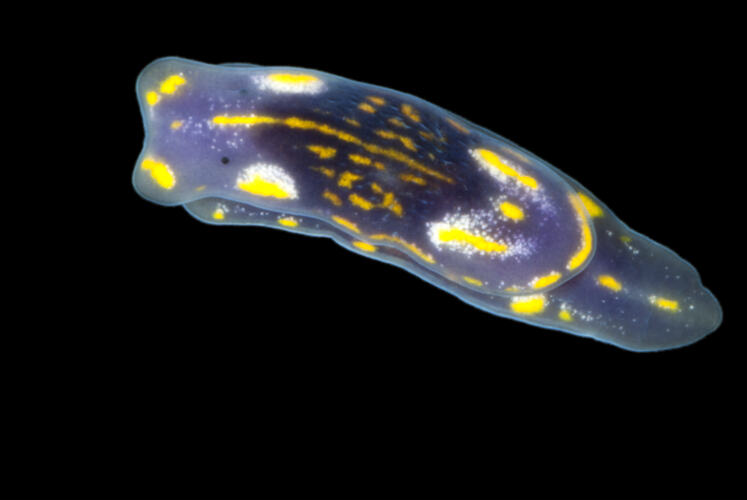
(322, 151)
(329, 195)
(472, 281)
(586, 238)
(366, 247)
(610, 282)
(666, 304)
(454, 234)
(528, 304)
(346, 223)
(159, 172)
(288, 221)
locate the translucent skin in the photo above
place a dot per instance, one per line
(627, 290)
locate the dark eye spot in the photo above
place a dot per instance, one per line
(224, 160)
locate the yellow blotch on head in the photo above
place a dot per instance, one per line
(288, 221)
(176, 124)
(495, 161)
(159, 172)
(322, 151)
(346, 223)
(546, 280)
(456, 235)
(587, 239)
(608, 281)
(152, 98)
(171, 84)
(410, 112)
(329, 195)
(528, 304)
(511, 211)
(591, 207)
(565, 315)
(292, 79)
(666, 304)
(366, 247)
(472, 281)
(364, 106)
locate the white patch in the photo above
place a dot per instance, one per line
(272, 174)
(279, 84)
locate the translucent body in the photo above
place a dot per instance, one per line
(400, 180)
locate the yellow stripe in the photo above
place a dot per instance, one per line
(586, 238)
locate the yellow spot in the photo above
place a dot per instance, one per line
(172, 83)
(218, 214)
(397, 122)
(528, 304)
(291, 79)
(406, 141)
(366, 247)
(546, 280)
(361, 160)
(376, 188)
(666, 304)
(294, 122)
(377, 100)
(364, 106)
(322, 151)
(405, 244)
(160, 172)
(353, 122)
(626, 239)
(511, 211)
(458, 126)
(454, 234)
(288, 221)
(347, 179)
(379, 166)
(409, 112)
(392, 204)
(591, 207)
(472, 281)
(496, 162)
(586, 238)
(361, 202)
(412, 178)
(565, 315)
(609, 282)
(176, 125)
(329, 172)
(200, 188)
(329, 195)
(346, 223)
(152, 98)
(259, 186)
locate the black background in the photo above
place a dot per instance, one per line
(194, 360)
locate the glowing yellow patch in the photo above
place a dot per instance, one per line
(528, 304)
(376, 100)
(414, 249)
(609, 282)
(454, 234)
(546, 280)
(294, 122)
(565, 315)
(496, 162)
(361, 202)
(458, 126)
(591, 207)
(218, 214)
(366, 247)
(412, 178)
(586, 238)
(364, 106)
(261, 187)
(346, 223)
(666, 304)
(472, 281)
(409, 112)
(292, 79)
(406, 141)
(329, 195)
(361, 160)
(152, 98)
(329, 172)
(176, 125)
(353, 122)
(288, 221)
(347, 179)
(392, 204)
(171, 84)
(427, 135)
(511, 211)
(322, 151)
(397, 122)
(200, 188)
(160, 172)
(626, 239)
